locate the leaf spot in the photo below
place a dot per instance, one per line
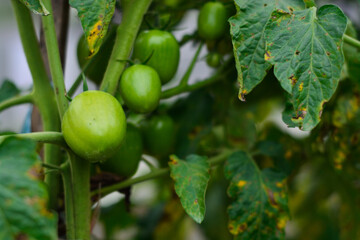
(293, 79)
(241, 183)
(301, 87)
(268, 56)
(297, 52)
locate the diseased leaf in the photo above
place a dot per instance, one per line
(95, 17)
(23, 197)
(8, 90)
(247, 31)
(306, 49)
(259, 210)
(36, 6)
(191, 178)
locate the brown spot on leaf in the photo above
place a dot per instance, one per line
(293, 79)
(302, 18)
(328, 53)
(265, 5)
(291, 9)
(297, 52)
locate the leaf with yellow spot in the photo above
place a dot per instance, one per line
(36, 6)
(191, 178)
(23, 196)
(259, 209)
(307, 46)
(95, 17)
(247, 32)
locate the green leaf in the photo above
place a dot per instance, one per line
(352, 55)
(310, 3)
(247, 31)
(8, 90)
(306, 49)
(95, 17)
(23, 196)
(36, 6)
(259, 210)
(191, 178)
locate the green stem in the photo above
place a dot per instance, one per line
(43, 94)
(185, 79)
(352, 41)
(220, 74)
(52, 49)
(81, 192)
(125, 38)
(69, 200)
(43, 137)
(214, 161)
(17, 100)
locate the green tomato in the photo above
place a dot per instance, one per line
(163, 49)
(97, 68)
(212, 21)
(213, 59)
(159, 134)
(140, 88)
(126, 160)
(94, 125)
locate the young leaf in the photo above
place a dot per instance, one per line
(8, 90)
(23, 196)
(95, 17)
(259, 210)
(191, 178)
(36, 6)
(247, 31)
(306, 49)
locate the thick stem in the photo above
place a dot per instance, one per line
(154, 174)
(81, 192)
(54, 58)
(43, 94)
(69, 200)
(125, 38)
(352, 41)
(17, 100)
(43, 137)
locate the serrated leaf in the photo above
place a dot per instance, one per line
(247, 31)
(95, 17)
(191, 178)
(36, 6)
(259, 210)
(8, 90)
(306, 48)
(23, 197)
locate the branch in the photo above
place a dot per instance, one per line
(154, 174)
(352, 41)
(185, 79)
(54, 58)
(17, 100)
(43, 137)
(125, 38)
(187, 88)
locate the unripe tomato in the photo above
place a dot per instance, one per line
(94, 125)
(213, 59)
(159, 134)
(163, 49)
(126, 160)
(140, 87)
(97, 68)
(212, 21)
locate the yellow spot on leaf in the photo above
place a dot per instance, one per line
(173, 160)
(242, 94)
(239, 229)
(268, 56)
(301, 86)
(281, 223)
(241, 183)
(95, 35)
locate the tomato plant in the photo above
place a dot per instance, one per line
(140, 87)
(163, 52)
(264, 145)
(126, 159)
(94, 125)
(212, 21)
(159, 134)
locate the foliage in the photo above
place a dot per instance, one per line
(217, 166)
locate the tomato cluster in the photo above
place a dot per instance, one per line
(95, 126)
